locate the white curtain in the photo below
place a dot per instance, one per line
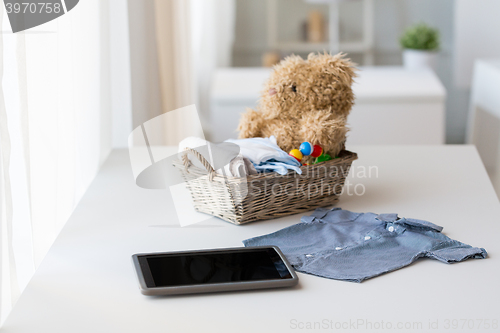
(75, 86)
(176, 45)
(175, 63)
(212, 38)
(55, 131)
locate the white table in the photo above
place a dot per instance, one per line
(86, 282)
(393, 105)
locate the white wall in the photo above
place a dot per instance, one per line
(477, 35)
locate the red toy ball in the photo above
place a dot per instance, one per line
(317, 151)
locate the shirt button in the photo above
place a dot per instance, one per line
(391, 228)
(367, 237)
(338, 248)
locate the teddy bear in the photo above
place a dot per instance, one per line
(304, 100)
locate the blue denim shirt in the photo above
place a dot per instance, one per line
(343, 245)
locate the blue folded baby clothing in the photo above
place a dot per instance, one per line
(266, 155)
(343, 245)
(255, 155)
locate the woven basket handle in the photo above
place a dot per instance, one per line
(187, 163)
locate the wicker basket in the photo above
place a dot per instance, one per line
(265, 195)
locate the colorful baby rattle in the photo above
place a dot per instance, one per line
(308, 149)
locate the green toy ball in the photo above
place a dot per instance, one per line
(323, 158)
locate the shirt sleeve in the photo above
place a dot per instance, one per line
(455, 251)
(422, 224)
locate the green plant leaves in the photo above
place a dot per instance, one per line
(420, 37)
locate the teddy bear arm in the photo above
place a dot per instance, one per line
(324, 129)
(251, 124)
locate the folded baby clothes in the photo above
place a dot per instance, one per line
(255, 154)
(266, 155)
(241, 167)
(279, 167)
(343, 245)
(234, 164)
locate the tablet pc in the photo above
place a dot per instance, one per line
(203, 271)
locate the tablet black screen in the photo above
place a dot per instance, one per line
(168, 270)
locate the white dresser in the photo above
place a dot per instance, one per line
(393, 105)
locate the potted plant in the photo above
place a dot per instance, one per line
(420, 44)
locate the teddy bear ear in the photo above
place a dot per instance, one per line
(290, 61)
(338, 65)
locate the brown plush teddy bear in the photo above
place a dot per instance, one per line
(304, 100)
